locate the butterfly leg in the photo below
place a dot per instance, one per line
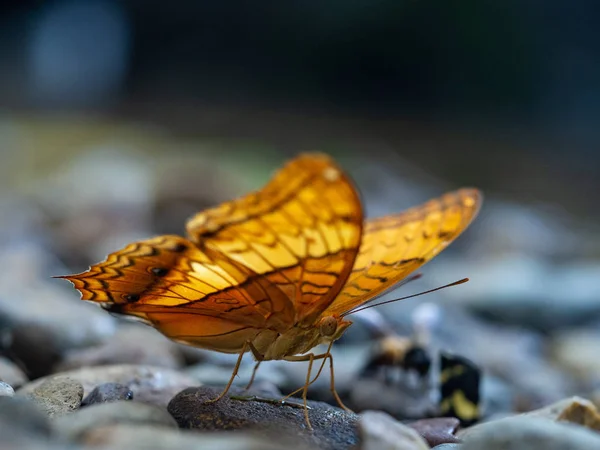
(322, 356)
(249, 385)
(333, 391)
(259, 358)
(312, 381)
(233, 375)
(305, 391)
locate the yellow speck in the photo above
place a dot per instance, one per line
(469, 201)
(331, 174)
(198, 220)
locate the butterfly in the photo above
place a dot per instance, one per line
(277, 271)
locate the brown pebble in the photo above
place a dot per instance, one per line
(438, 430)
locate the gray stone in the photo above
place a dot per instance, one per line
(73, 426)
(527, 433)
(333, 428)
(447, 447)
(131, 344)
(36, 347)
(58, 396)
(575, 410)
(155, 385)
(29, 299)
(144, 437)
(6, 390)
(497, 396)
(11, 439)
(379, 431)
(577, 351)
(401, 401)
(541, 295)
(108, 392)
(437, 430)
(19, 413)
(11, 374)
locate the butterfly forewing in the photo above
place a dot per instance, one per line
(302, 231)
(394, 246)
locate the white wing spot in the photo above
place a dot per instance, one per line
(330, 174)
(198, 220)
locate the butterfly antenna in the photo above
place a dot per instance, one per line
(456, 283)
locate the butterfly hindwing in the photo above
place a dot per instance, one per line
(394, 246)
(184, 291)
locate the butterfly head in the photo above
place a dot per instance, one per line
(332, 327)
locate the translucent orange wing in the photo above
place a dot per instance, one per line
(394, 246)
(302, 231)
(192, 295)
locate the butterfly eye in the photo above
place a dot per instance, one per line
(179, 248)
(328, 326)
(159, 271)
(131, 298)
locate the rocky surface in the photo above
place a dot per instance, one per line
(378, 430)
(108, 392)
(333, 428)
(11, 374)
(527, 433)
(74, 377)
(155, 385)
(57, 396)
(73, 426)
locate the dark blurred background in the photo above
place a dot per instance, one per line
(119, 119)
(502, 95)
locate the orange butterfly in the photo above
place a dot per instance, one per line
(275, 272)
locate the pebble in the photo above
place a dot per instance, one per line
(131, 344)
(438, 430)
(333, 428)
(11, 374)
(576, 410)
(529, 433)
(6, 390)
(58, 396)
(155, 385)
(108, 392)
(30, 300)
(399, 400)
(74, 425)
(379, 431)
(540, 295)
(145, 437)
(20, 413)
(577, 351)
(36, 347)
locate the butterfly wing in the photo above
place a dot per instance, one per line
(191, 295)
(394, 246)
(302, 231)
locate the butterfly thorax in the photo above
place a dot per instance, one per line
(299, 339)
